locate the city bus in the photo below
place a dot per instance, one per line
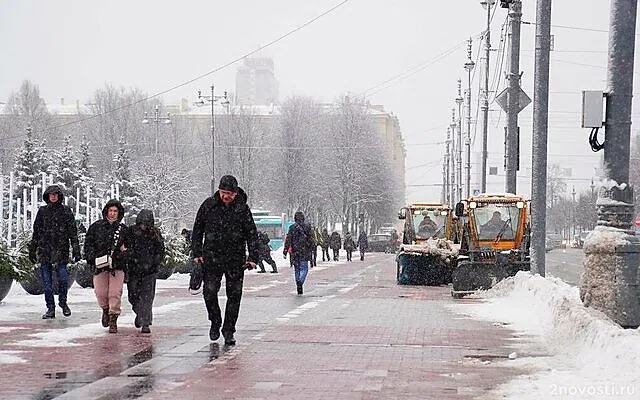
(276, 226)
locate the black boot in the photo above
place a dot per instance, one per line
(105, 317)
(66, 311)
(214, 333)
(113, 323)
(229, 340)
(50, 314)
(299, 288)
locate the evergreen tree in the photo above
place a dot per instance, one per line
(28, 165)
(129, 196)
(64, 169)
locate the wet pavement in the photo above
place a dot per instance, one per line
(354, 334)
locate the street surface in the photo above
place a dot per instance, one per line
(354, 334)
(566, 264)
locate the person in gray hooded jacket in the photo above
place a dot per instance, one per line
(146, 252)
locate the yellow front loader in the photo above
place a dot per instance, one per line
(495, 241)
(428, 252)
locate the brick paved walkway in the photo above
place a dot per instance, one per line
(355, 334)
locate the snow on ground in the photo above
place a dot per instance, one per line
(589, 356)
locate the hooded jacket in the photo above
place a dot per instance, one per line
(99, 240)
(54, 230)
(300, 239)
(145, 246)
(222, 233)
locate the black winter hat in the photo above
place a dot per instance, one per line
(228, 182)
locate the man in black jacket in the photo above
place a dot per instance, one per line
(54, 231)
(222, 231)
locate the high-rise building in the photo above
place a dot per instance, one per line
(256, 82)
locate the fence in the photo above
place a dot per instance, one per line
(17, 214)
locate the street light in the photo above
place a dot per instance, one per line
(156, 120)
(211, 99)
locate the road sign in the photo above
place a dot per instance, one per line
(502, 100)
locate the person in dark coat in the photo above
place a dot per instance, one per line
(106, 237)
(363, 243)
(335, 242)
(54, 230)
(145, 246)
(317, 241)
(223, 230)
(264, 253)
(349, 245)
(300, 240)
(325, 245)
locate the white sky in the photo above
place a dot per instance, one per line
(72, 48)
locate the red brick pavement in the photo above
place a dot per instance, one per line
(355, 334)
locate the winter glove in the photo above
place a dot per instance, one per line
(197, 276)
(76, 255)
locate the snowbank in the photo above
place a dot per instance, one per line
(589, 356)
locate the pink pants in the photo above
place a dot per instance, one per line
(108, 290)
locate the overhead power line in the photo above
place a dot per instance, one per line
(228, 64)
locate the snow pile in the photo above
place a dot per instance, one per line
(443, 248)
(589, 355)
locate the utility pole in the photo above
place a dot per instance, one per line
(539, 140)
(468, 66)
(618, 298)
(459, 101)
(485, 96)
(156, 120)
(447, 156)
(452, 171)
(211, 99)
(513, 96)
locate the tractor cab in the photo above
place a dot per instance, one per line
(425, 221)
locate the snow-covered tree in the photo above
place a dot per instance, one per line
(129, 196)
(64, 168)
(29, 164)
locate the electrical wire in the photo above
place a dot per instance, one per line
(217, 69)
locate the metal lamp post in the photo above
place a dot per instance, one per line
(156, 120)
(211, 99)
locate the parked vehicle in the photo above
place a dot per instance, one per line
(554, 241)
(381, 243)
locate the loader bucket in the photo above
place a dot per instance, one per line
(414, 268)
(470, 276)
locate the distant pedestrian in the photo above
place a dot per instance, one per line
(146, 252)
(325, 245)
(349, 245)
(363, 243)
(300, 242)
(104, 249)
(54, 231)
(317, 241)
(222, 232)
(335, 242)
(264, 253)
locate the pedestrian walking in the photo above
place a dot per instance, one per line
(264, 253)
(104, 249)
(325, 245)
(300, 242)
(363, 243)
(145, 246)
(222, 232)
(349, 245)
(335, 242)
(54, 231)
(317, 241)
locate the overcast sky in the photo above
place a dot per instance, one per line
(70, 48)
